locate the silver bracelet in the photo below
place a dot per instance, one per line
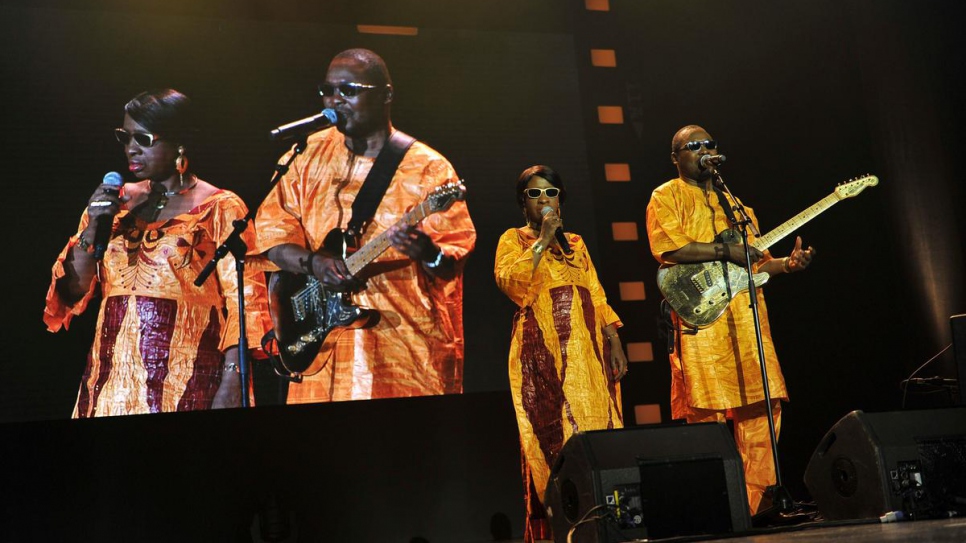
(435, 264)
(231, 366)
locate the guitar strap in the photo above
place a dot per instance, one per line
(723, 201)
(377, 182)
(363, 209)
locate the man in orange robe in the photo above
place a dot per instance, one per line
(715, 372)
(416, 348)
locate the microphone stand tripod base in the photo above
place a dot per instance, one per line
(779, 509)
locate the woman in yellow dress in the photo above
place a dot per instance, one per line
(565, 355)
(162, 343)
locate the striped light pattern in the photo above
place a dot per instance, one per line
(389, 30)
(617, 172)
(603, 58)
(624, 231)
(647, 413)
(632, 291)
(610, 114)
(640, 352)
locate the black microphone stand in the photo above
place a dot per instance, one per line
(233, 244)
(779, 497)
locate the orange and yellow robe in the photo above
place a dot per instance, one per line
(160, 340)
(715, 373)
(717, 368)
(559, 361)
(416, 348)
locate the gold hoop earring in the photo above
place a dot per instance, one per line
(181, 164)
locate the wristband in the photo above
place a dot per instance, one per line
(785, 266)
(537, 249)
(308, 264)
(435, 264)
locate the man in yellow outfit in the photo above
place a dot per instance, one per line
(715, 372)
(416, 347)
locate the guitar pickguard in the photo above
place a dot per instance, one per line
(700, 293)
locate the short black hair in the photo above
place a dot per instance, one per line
(165, 112)
(545, 172)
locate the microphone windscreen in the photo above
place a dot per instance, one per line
(331, 114)
(546, 211)
(113, 178)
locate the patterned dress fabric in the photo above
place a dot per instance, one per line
(559, 361)
(160, 340)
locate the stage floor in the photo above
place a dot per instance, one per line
(924, 531)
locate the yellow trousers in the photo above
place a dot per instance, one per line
(753, 441)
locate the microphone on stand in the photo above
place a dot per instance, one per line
(707, 161)
(558, 233)
(301, 127)
(105, 223)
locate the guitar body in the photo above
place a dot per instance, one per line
(700, 292)
(304, 311)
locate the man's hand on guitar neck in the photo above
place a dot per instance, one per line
(332, 272)
(328, 269)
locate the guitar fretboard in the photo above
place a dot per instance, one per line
(796, 222)
(378, 245)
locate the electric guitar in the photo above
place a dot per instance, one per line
(304, 310)
(700, 292)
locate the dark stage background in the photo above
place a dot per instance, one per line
(800, 95)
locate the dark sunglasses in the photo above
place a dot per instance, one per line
(144, 139)
(346, 90)
(551, 192)
(696, 145)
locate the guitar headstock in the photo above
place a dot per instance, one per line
(446, 195)
(853, 187)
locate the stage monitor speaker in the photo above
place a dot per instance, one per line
(647, 482)
(958, 325)
(869, 464)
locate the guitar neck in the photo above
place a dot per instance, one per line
(795, 222)
(378, 245)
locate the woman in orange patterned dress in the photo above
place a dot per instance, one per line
(162, 344)
(565, 356)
